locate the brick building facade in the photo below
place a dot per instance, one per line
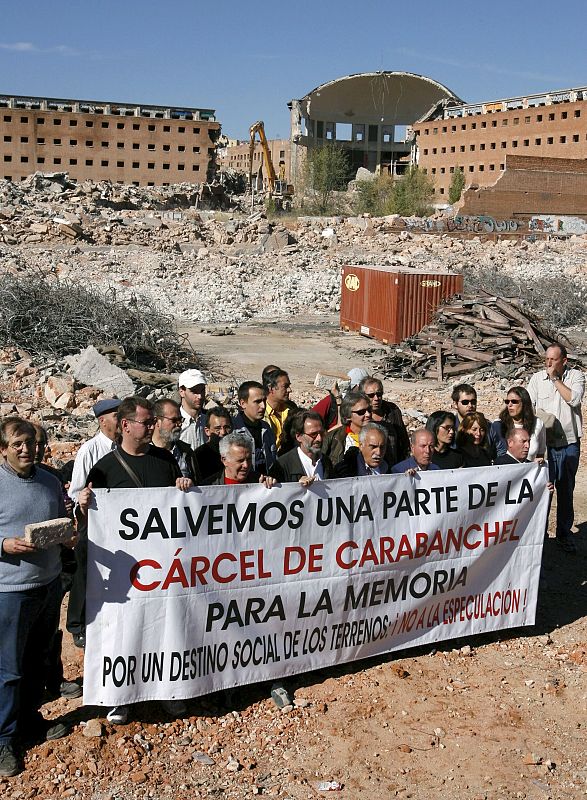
(477, 138)
(123, 143)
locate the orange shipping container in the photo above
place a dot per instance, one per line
(392, 303)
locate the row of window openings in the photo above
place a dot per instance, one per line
(504, 122)
(119, 125)
(256, 156)
(120, 145)
(134, 183)
(503, 145)
(471, 168)
(89, 162)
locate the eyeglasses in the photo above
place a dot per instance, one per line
(314, 435)
(175, 420)
(512, 402)
(147, 423)
(468, 402)
(361, 411)
(374, 394)
(447, 428)
(27, 444)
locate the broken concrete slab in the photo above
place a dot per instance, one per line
(93, 369)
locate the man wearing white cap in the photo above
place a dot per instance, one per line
(89, 454)
(192, 389)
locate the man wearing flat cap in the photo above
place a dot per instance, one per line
(192, 390)
(89, 454)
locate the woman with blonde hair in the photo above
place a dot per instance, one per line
(472, 441)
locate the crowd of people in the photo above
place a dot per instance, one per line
(140, 444)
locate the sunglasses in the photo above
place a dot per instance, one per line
(362, 411)
(374, 394)
(512, 402)
(468, 402)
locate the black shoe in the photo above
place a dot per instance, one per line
(71, 690)
(10, 764)
(79, 640)
(35, 729)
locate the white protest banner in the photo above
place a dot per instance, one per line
(193, 592)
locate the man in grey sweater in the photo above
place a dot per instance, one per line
(30, 592)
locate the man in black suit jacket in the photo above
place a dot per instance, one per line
(305, 463)
(518, 442)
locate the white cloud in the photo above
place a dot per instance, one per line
(19, 47)
(30, 47)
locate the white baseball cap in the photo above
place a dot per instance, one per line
(191, 378)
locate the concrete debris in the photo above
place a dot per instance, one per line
(92, 369)
(210, 267)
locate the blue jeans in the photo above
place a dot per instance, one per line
(28, 622)
(563, 463)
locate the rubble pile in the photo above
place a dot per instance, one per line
(226, 268)
(473, 333)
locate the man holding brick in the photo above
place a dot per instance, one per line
(30, 592)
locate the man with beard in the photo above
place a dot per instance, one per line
(218, 425)
(368, 458)
(168, 422)
(305, 463)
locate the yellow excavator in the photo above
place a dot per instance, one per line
(277, 188)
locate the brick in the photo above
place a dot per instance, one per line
(45, 534)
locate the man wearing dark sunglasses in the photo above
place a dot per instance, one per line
(464, 401)
(389, 416)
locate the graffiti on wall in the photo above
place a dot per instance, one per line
(548, 223)
(470, 224)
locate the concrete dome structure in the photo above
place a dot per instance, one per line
(366, 114)
(393, 98)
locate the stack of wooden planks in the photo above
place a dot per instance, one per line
(476, 332)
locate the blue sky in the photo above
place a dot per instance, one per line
(247, 60)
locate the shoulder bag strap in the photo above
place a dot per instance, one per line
(132, 474)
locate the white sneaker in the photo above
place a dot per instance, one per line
(118, 715)
(175, 708)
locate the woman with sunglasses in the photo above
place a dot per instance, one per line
(442, 425)
(518, 413)
(355, 411)
(472, 441)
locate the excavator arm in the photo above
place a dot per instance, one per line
(259, 128)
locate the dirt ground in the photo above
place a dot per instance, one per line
(494, 717)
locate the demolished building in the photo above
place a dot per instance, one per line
(368, 114)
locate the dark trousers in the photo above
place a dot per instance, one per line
(563, 463)
(28, 622)
(76, 607)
